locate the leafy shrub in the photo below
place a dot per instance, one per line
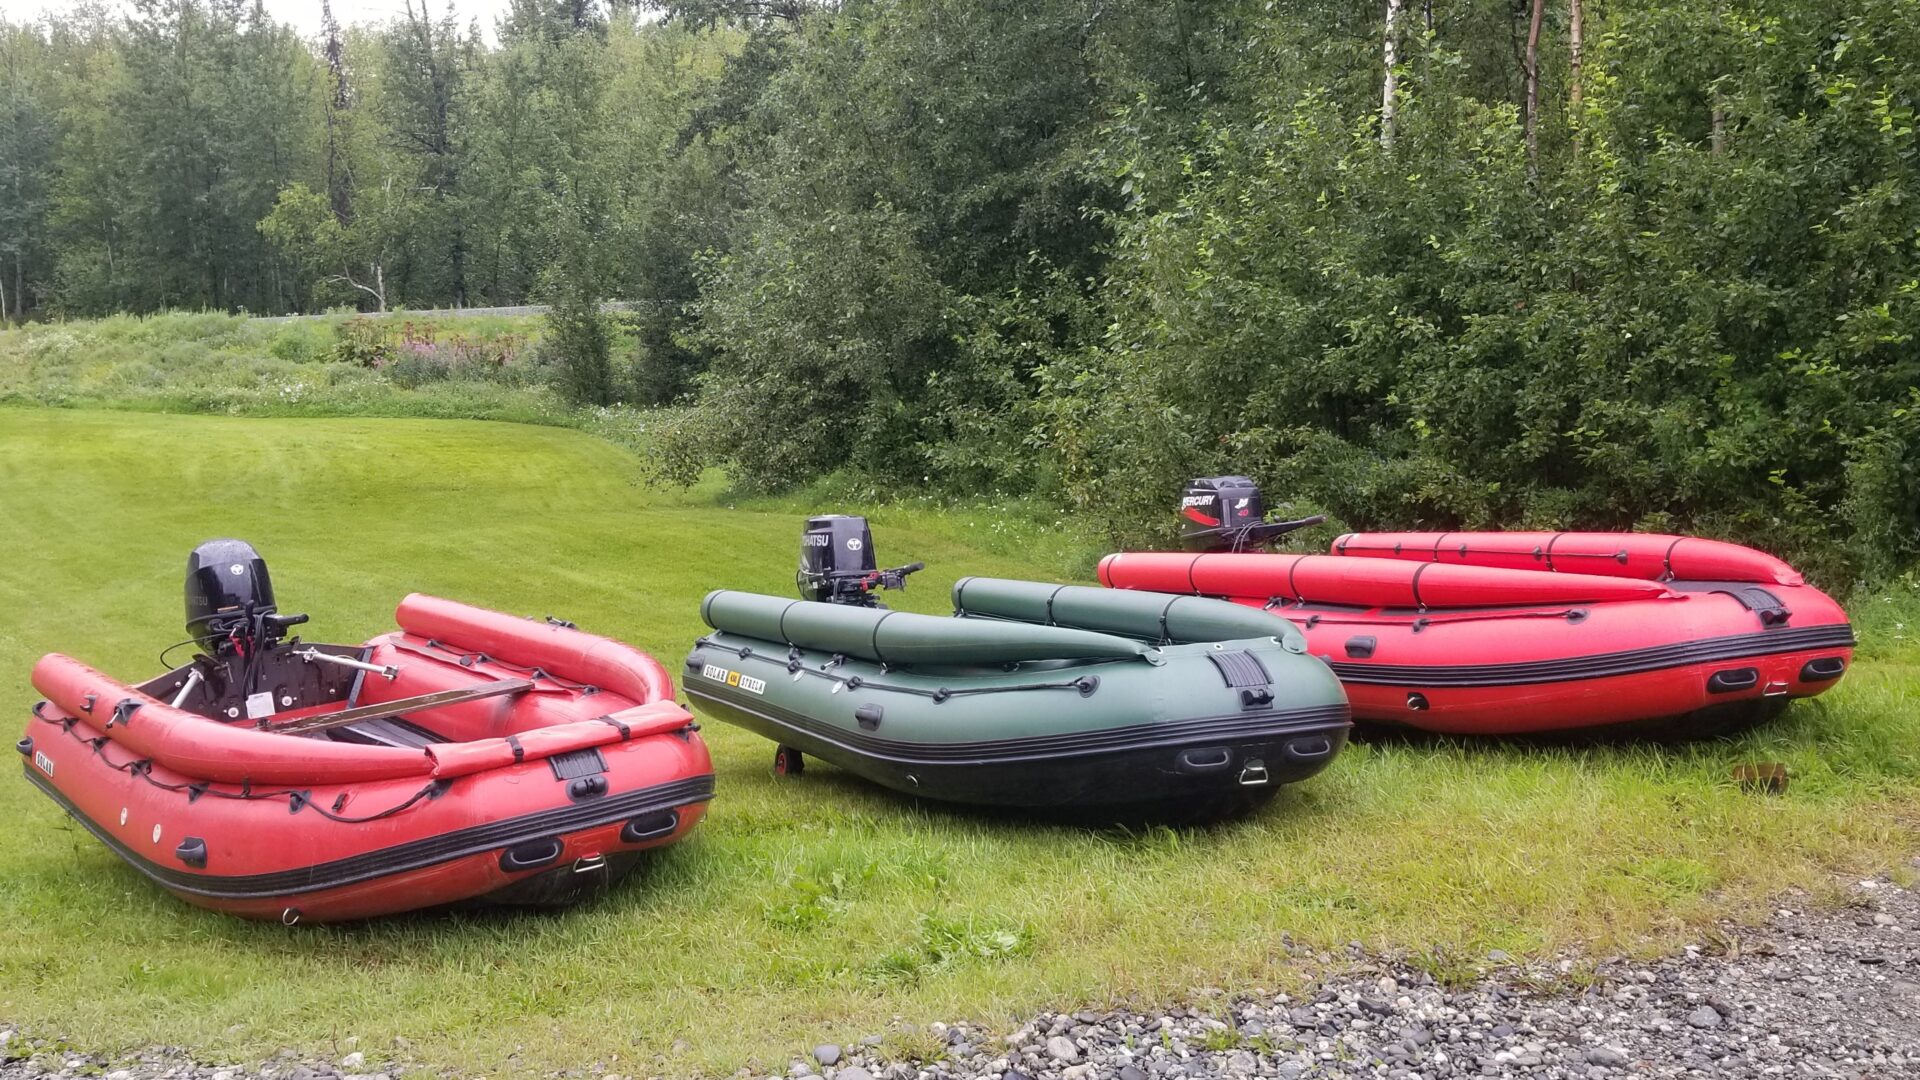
(362, 340)
(1676, 324)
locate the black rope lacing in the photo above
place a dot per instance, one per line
(1085, 685)
(1424, 621)
(467, 660)
(298, 799)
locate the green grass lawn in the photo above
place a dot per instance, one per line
(818, 907)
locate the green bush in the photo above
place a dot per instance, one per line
(1672, 323)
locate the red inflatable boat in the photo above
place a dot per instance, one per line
(1530, 633)
(469, 755)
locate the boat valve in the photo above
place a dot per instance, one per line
(1253, 773)
(194, 679)
(312, 655)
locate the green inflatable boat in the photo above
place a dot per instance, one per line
(1032, 695)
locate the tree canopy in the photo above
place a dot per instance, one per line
(1456, 264)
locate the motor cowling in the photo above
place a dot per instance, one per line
(1228, 513)
(1217, 510)
(837, 563)
(227, 589)
(835, 549)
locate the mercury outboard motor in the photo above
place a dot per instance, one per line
(230, 602)
(1228, 513)
(837, 563)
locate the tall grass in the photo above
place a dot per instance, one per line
(485, 367)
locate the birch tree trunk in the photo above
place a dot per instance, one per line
(1533, 85)
(1391, 83)
(1576, 45)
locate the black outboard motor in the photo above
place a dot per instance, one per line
(1228, 513)
(837, 563)
(230, 602)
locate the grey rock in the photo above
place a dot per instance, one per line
(1611, 1056)
(827, 1054)
(1706, 1016)
(1818, 998)
(354, 1062)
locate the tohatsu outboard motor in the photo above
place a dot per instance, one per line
(1228, 513)
(837, 563)
(230, 606)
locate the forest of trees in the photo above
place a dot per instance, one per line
(1445, 263)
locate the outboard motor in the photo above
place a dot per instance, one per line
(230, 605)
(837, 563)
(1228, 513)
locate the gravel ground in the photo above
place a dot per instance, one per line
(1810, 994)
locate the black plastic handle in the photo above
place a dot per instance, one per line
(531, 854)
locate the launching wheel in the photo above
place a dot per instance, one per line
(788, 762)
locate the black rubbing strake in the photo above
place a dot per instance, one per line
(402, 857)
(1600, 666)
(1276, 723)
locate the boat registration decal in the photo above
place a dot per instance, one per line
(733, 678)
(43, 762)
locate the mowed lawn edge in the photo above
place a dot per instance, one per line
(816, 909)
